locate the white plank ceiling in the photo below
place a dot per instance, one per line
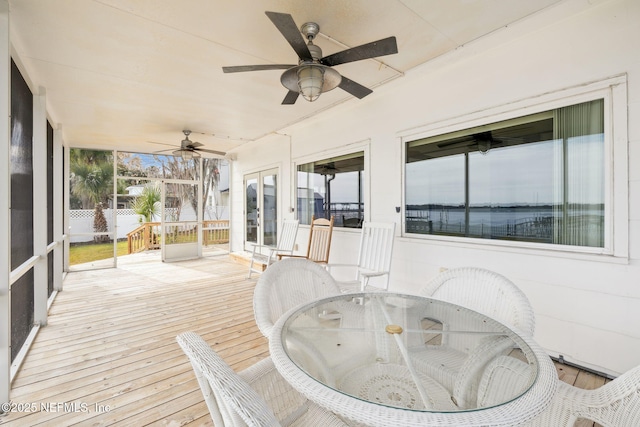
(129, 74)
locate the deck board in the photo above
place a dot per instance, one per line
(110, 342)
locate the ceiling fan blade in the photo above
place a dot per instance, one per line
(163, 151)
(162, 143)
(242, 68)
(355, 89)
(290, 98)
(287, 26)
(382, 47)
(458, 142)
(194, 144)
(218, 153)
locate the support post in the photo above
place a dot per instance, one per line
(5, 200)
(58, 206)
(65, 214)
(40, 269)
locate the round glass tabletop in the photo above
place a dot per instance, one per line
(406, 351)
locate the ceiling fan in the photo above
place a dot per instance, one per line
(327, 169)
(482, 141)
(313, 75)
(190, 149)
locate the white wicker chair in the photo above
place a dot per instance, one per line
(458, 362)
(286, 243)
(255, 397)
(486, 292)
(286, 284)
(615, 404)
(500, 378)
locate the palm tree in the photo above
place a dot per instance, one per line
(91, 176)
(92, 183)
(147, 204)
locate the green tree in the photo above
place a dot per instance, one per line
(147, 204)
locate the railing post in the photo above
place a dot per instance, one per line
(147, 236)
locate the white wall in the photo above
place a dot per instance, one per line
(587, 306)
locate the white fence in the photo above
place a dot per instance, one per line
(81, 221)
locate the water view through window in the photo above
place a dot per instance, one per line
(332, 187)
(538, 178)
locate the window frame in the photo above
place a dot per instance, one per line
(348, 149)
(614, 93)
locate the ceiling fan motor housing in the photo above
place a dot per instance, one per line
(315, 51)
(311, 71)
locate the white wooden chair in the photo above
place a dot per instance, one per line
(286, 243)
(255, 397)
(615, 404)
(374, 258)
(286, 284)
(319, 245)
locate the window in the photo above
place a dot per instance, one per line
(538, 178)
(333, 186)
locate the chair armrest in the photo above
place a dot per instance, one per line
(257, 246)
(370, 273)
(330, 266)
(281, 397)
(289, 256)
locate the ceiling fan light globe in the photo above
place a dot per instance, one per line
(484, 147)
(310, 81)
(186, 155)
(290, 78)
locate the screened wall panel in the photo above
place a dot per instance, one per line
(21, 207)
(49, 206)
(21, 311)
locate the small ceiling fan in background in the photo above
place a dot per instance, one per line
(482, 141)
(190, 149)
(313, 74)
(327, 169)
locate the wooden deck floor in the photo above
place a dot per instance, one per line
(109, 355)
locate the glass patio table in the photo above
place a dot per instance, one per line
(385, 359)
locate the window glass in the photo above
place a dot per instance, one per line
(538, 178)
(333, 186)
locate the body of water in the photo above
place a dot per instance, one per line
(544, 224)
